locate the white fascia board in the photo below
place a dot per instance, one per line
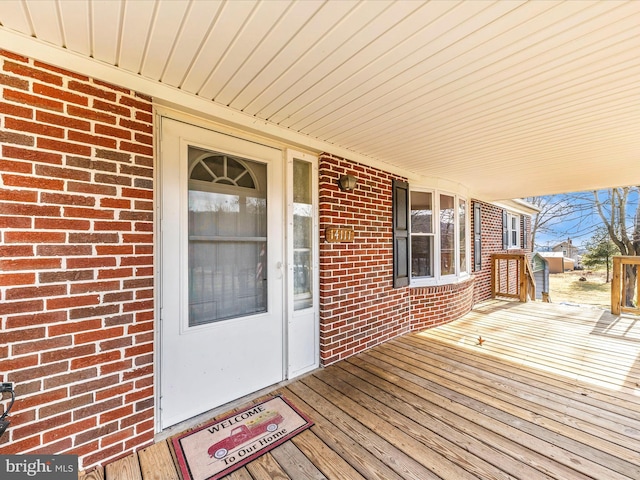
(517, 206)
(514, 205)
(526, 205)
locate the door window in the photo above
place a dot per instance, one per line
(227, 237)
(302, 236)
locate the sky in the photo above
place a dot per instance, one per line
(583, 219)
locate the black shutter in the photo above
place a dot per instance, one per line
(477, 237)
(505, 230)
(524, 232)
(401, 256)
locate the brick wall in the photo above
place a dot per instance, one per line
(491, 235)
(76, 262)
(359, 307)
(437, 305)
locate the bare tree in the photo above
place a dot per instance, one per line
(623, 229)
(553, 210)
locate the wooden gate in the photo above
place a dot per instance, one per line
(625, 287)
(511, 277)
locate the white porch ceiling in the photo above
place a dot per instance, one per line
(507, 98)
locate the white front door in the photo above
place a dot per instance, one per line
(221, 269)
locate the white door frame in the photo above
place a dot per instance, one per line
(183, 396)
(289, 370)
(303, 326)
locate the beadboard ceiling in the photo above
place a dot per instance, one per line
(507, 98)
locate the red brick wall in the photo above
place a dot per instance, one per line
(437, 305)
(359, 307)
(76, 262)
(491, 235)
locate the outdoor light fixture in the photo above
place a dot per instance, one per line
(347, 182)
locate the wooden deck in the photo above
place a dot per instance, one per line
(552, 392)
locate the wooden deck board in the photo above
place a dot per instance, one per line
(600, 367)
(127, 468)
(266, 468)
(622, 375)
(414, 394)
(156, 463)
(552, 433)
(552, 393)
(489, 419)
(241, 474)
(538, 399)
(333, 431)
(540, 344)
(581, 394)
(379, 447)
(477, 458)
(295, 463)
(326, 459)
(540, 340)
(95, 474)
(434, 463)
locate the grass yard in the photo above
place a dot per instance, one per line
(567, 288)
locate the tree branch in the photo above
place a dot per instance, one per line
(609, 223)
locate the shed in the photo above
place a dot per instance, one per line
(540, 268)
(558, 263)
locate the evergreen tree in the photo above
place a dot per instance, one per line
(600, 251)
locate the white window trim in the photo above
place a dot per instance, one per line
(437, 278)
(510, 230)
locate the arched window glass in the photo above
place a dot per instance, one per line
(224, 170)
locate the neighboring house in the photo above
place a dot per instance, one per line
(558, 263)
(568, 249)
(163, 254)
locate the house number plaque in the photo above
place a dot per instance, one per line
(338, 235)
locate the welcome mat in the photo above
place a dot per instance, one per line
(218, 448)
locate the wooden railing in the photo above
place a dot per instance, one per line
(530, 280)
(625, 287)
(512, 277)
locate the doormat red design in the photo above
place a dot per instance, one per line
(218, 448)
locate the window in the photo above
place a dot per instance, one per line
(477, 237)
(513, 230)
(462, 235)
(422, 234)
(447, 235)
(438, 236)
(302, 235)
(227, 237)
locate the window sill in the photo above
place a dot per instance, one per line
(432, 282)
